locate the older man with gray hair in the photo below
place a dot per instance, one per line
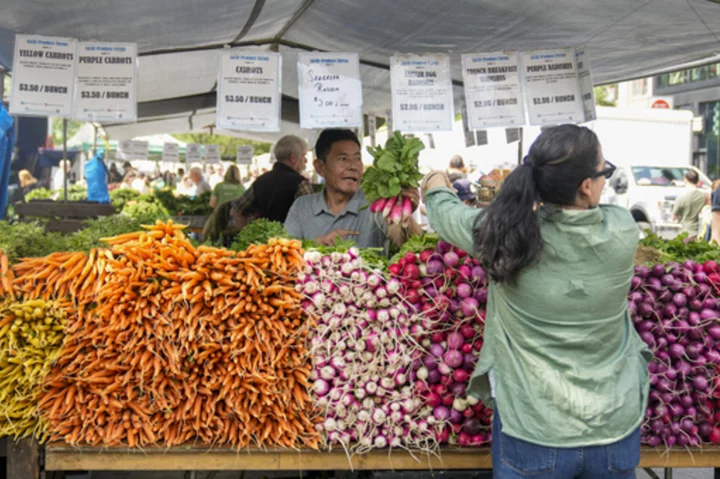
(274, 192)
(198, 179)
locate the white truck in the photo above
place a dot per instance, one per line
(649, 191)
(652, 151)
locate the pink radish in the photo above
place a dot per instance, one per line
(396, 213)
(378, 205)
(389, 206)
(406, 211)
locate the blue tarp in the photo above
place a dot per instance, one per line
(7, 140)
(96, 174)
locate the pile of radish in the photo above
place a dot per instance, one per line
(363, 346)
(675, 311)
(393, 353)
(450, 289)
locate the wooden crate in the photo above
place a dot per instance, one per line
(70, 209)
(67, 217)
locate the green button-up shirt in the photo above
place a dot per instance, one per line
(569, 368)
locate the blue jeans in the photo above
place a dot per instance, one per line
(514, 458)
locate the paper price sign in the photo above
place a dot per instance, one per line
(171, 152)
(105, 82)
(140, 150)
(249, 91)
(132, 150)
(212, 154)
(125, 150)
(193, 153)
(244, 154)
(492, 90)
(551, 86)
(422, 96)
(586, 84)
(43, 76)
(330, 90)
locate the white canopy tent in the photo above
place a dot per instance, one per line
(179, 41)
(86, 135)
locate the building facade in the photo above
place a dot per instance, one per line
(697, 90)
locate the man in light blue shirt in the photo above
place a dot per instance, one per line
(340, 210)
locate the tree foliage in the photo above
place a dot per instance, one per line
(57, 130)
(602, 96)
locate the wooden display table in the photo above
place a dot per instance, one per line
(64, 458)
(66, 216)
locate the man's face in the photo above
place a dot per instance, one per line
(299, 160)
(303, 160)
(195, 176)
(343, 167)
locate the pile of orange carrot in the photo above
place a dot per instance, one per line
(6, 277)
(173, 344)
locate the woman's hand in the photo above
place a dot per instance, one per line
(413, 195)
(434, 179)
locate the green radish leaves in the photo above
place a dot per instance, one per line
(394, 167)
(387, 162)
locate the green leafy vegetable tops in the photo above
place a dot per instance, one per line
(185, 205)
(372, 257)
(119, 197)
(394, 167)
(680, 248)
(417, 244)
(259, 232)
(39, 194)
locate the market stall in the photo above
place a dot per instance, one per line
(127, 350)
(114, 406)
(141, 350)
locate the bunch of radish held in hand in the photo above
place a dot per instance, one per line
(363, 348)
(675, 313)
(395, 168)
(450, 289)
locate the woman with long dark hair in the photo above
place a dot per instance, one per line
(561, 363)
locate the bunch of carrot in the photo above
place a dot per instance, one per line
(6, 277)
(173, 344)
(57, 275)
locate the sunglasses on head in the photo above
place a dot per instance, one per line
(607, 172)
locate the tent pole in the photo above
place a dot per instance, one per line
(95, 130)
(65, 175)
(520, 146)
